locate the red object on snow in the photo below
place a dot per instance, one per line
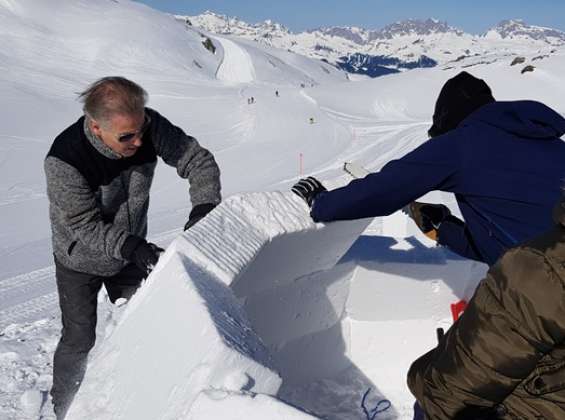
(458, 308)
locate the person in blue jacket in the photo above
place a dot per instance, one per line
(504, 161)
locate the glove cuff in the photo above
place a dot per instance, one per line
(315, 197)
(201, 210)
(129, 246)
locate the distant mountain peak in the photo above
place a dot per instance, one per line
(351, 33)
(218, 23)
(419, 27)
(209, 12)
(517, 28)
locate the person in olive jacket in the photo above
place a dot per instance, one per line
(505, 356)
(99, 173)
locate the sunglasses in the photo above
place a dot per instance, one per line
(124, 138)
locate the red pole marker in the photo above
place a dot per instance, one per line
(457, 309)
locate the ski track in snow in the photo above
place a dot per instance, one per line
(374, 143)
(29, 310)
(22, 198)
(32, 296)
(236, 66)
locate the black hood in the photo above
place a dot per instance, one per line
(459, 98)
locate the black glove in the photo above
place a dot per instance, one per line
(198, 213)
(428, 217)
(308, 189)
(140, 252)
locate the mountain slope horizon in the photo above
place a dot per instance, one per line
(411, 43)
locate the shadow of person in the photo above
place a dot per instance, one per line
(416, 261)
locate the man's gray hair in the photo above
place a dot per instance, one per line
(111, 96)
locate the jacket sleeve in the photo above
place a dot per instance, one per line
(74, 201)
(453, 234)
(192, 161)
(431, 166)
(515, 317)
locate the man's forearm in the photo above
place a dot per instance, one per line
(191, 160)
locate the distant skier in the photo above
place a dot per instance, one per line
(311, 120)
(99, 172)
(505, 357)
(504, 161)
(277, 93)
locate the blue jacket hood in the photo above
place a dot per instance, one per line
(528, 119)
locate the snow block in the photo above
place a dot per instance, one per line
(183, 332)
(268, 238)
(294, 288)
(188, 328)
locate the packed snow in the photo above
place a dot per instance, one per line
(256, 312)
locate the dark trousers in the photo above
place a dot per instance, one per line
(78, 294)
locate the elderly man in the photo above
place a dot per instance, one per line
(99, 173)
(502, 160)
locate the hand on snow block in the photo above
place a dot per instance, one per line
(142, 253)
(197, 213)
(428, 217)
(308, 189)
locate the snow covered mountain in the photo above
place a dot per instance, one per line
(412, 27)
(396, 47)
(225, 25)
(520, 31)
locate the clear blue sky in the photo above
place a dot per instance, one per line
(473, 16)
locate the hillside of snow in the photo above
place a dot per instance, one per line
(257, 312)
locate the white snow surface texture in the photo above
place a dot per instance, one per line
(256, 312)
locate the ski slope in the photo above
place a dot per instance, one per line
(391, 289)
(236, 65)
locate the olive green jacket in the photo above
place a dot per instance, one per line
(505, 357)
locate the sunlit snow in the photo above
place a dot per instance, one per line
(257, 312)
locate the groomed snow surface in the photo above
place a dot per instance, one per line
(256, 312)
